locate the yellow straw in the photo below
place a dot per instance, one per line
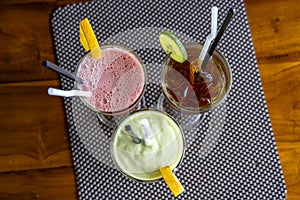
(88, 39)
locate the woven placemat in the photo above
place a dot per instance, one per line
(231, 155)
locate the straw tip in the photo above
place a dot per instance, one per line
(233, 10)
(45, 62)
(145, 122)
(214, 9)
(128, 128)
(50, 91)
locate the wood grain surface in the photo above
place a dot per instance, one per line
(35, 156)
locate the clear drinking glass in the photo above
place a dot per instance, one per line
(187, 95)
(144, 141)
(117, 81)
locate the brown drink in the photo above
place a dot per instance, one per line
(195, 91)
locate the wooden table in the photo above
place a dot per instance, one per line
(35, 156)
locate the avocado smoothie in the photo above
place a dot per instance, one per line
(145, 141)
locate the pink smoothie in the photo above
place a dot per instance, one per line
(116, 79)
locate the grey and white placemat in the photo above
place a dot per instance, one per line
(231, 155)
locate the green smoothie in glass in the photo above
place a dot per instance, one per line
(145, 141)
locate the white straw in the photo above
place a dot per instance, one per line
(148, 130)
(214, 21)
(69, 93)
(212, 35)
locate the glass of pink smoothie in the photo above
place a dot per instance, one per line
(117, 81)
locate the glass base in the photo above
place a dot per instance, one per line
(187, 121)
(112, 121)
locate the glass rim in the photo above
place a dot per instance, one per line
(135, 103)
(202, 109)
(114, 135)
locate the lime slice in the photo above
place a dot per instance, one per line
(172, 46)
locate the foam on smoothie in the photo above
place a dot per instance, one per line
(116, 79)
